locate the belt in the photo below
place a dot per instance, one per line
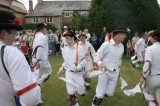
(26, 89)
(75, 72)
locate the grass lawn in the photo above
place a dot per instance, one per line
(54, 91)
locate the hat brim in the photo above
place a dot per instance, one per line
(40, 27)
(68, 35)
(121, 31)
(11, 26)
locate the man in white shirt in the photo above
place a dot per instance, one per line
(139, 50)
(89, 53)
(74, 63)
(108, 58)
(16, 77)
(151, 70)
(40, 54)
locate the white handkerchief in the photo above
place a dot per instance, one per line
(123, 83)
(133, 91)
(95, 73)
(68, 81)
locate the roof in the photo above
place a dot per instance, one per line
(53, 8)
(8, 4)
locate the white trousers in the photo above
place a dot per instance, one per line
(106, 83)
(76, 78)
(43, 72)
(152, 85)
(88, 68)
(140, 56)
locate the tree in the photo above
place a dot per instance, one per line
(138, 15)
(79, 21)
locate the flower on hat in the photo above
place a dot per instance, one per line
(67, 33)
(17, 21)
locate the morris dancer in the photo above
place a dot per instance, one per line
(139, 50)
(16, 78)
(152, 66)
(40, 55)
(108, 57)
(89, 52)
(74, 62)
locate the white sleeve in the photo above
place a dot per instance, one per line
(101, 53)
(64, 65)
(92, 50)
(40, 50)
(81, 57)
(21, 76)
(139, 42)
(148, 61)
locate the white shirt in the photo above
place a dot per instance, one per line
(41, 40)
(69, 55)
(21, 77)
(140, 45)
(88, 36)
(110, 54)
(152, 55)
(89, 50)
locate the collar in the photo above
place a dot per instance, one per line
(75, 45)
(156, 43)
(113, 42)
(81, 42)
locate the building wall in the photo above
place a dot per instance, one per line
(29, 20)
(56, 21)
(67, 21)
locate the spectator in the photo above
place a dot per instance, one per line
(52, 42)
(135, 39)
(25, 49)
(94, 41)
(129, 46)
(102, 37)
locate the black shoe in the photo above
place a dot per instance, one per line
(72, 101)
(106, 95)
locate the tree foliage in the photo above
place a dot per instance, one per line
(138, 15)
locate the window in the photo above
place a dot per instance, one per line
(49, 19)
(35, 20)
(66, 15)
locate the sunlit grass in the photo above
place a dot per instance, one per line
(54, 91)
